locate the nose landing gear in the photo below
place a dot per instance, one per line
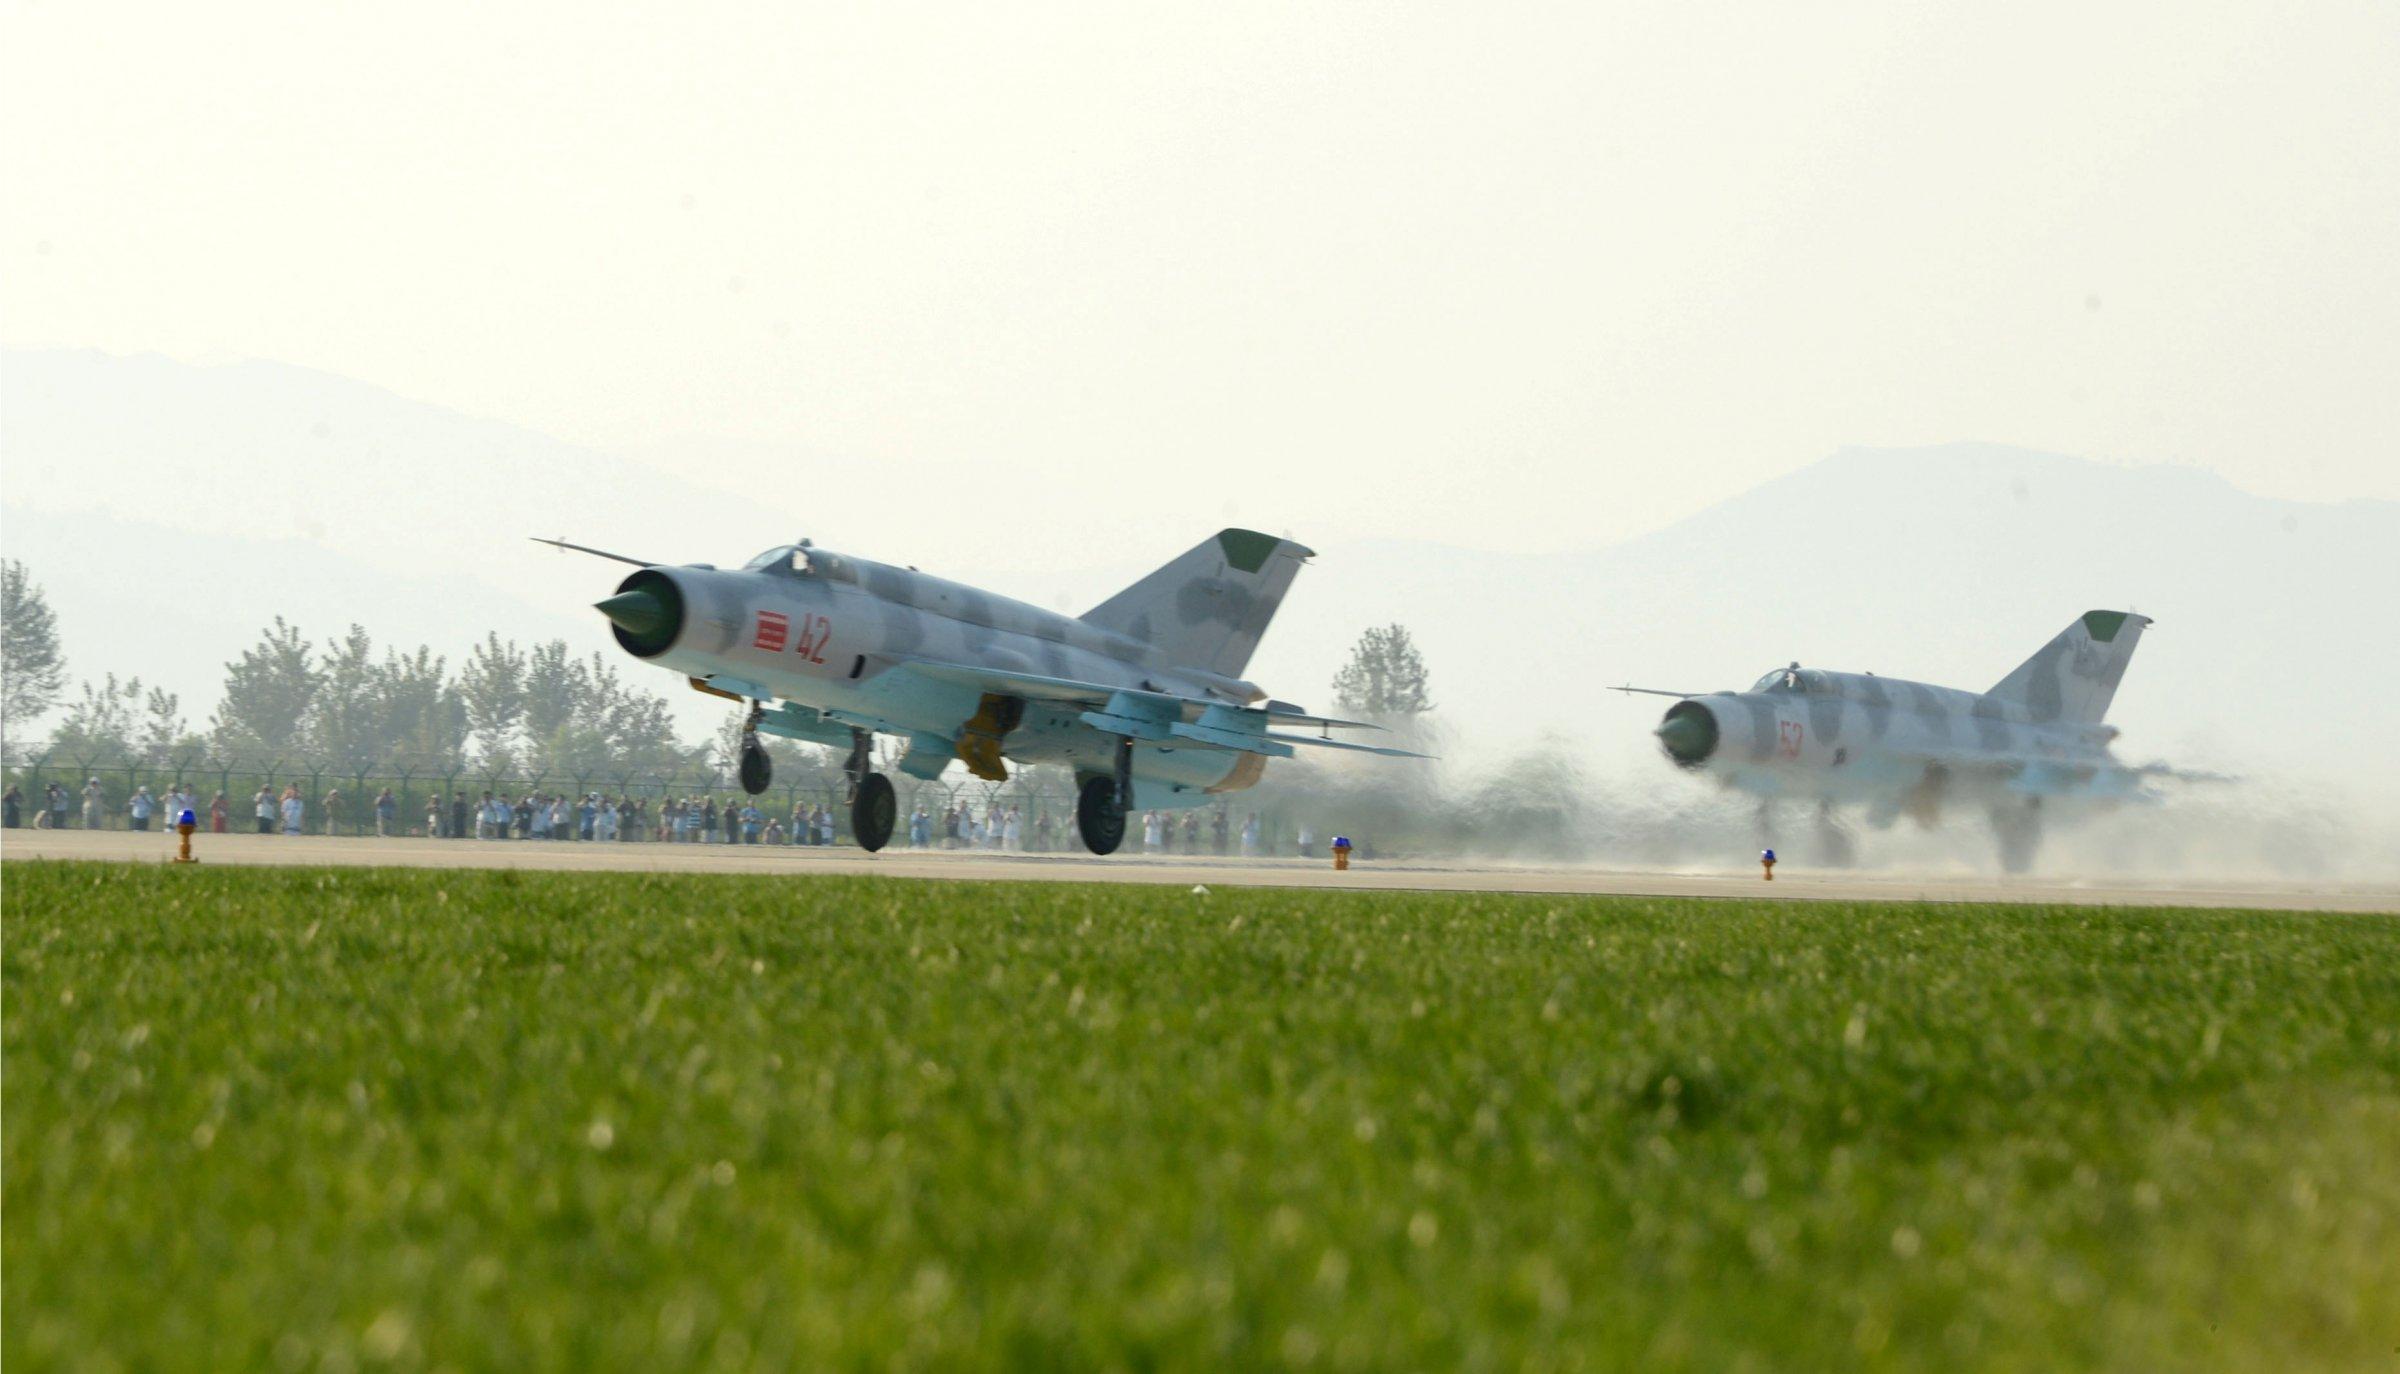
(757, 771)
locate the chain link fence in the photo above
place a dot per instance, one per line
(445, 799)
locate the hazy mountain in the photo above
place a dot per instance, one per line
(1948, 564)
(172, 509)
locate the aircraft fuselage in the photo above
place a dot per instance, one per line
(1857, 738)
(838, 644)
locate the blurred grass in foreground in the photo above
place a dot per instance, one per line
(365, 1119)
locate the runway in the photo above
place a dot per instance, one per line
(1404, 876)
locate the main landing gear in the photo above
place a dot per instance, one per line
(1834, 846)
(874, 806)
(756, 769)
(1829, 845)
(2018, 825)
(1101, 805)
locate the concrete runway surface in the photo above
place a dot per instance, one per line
(1408, 876)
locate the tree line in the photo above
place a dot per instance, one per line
(507, 707)
(348, 709)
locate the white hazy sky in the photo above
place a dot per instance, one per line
(1500, 275)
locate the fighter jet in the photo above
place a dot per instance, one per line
(1142, 696)
(2034, 744)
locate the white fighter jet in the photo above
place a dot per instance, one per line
(1142, 696)
(2035, 744)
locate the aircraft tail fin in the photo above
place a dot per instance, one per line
(2075, 675)
(1209, 608)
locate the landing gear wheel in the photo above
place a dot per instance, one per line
(874, 811)
(1099, 816)
(1834, 846)
(2020, 833)
(757, 770)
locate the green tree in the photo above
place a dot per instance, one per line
(638, 725)
(1385, 679)
(423, 717)
(105, 722)
(554, 689)
(345, 725)
(33, 671)
(492, 686)
(268, 692)
(164, 735)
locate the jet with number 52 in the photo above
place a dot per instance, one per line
(1142, 696)
(2033, 746)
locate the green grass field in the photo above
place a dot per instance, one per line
(296, 1119)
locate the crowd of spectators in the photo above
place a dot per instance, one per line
(596, 817)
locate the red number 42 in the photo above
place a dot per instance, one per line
(815, 633)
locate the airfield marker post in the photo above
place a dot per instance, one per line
(1341, 853)
(1766, 864)
(185, 824)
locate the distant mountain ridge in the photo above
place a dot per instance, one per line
(1948, 565)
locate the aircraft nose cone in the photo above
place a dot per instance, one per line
(1689, 734)
(638, 612)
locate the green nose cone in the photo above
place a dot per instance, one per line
(1688, 736)
(638, 612)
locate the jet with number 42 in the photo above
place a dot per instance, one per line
(2034, 745)
(1142, 696)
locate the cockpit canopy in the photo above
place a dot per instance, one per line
(803, 560)
(1795, 680)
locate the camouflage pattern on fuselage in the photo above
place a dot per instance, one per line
(849, 643)
(1900, 747)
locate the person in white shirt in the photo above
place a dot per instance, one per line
(1151, 832)
(1013, 830)
(1250, 837)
